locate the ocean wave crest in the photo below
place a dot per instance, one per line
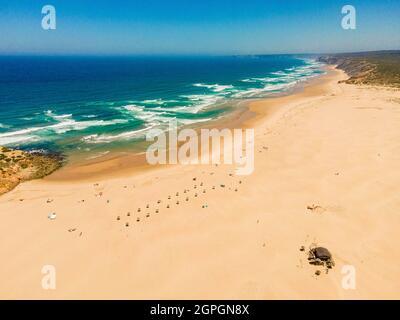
(214, 87)
(64, 124)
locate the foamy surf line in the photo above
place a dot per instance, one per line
(49, 132)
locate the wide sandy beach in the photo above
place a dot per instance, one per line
(327, 163)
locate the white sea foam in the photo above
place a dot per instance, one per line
(107, 138)
(250, 93)
(54, 116)
(89, 116)
(279, 73)
(138, 133)
(133, 107)
(4, 141)
(64, 124)
(62, 116)
(155, 101)
(146, 115)
(196, 104)
(214, 87)
(152, 119)
(72, 125)
(280, 80)
(200, 102)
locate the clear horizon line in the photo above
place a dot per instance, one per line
(57, 54)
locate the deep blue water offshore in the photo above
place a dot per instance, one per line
(90, 104)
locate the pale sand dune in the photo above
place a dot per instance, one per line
(334, 145)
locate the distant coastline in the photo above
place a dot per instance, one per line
(368, 68)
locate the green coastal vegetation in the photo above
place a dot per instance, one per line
(380, 68)
(17, 166)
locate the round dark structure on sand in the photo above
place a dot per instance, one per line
(322, 253)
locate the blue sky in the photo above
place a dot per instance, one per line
(197, 27)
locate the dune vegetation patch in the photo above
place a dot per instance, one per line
(17, 166)
(380, 68)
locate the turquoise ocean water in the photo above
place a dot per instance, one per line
(93, 104)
